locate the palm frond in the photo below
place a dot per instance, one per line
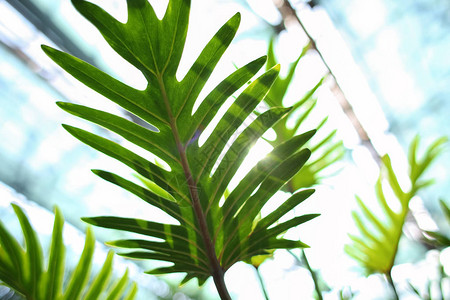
(22, 269)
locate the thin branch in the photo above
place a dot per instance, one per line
(289, 13)
(261, 282)
(441, 277)
(305, 263)
(313, 275)
(391, 284)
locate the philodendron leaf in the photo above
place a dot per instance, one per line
(325, 151)
(440, 239)
(377, 245)
(22, 268)
(445, 209)
(210, 237)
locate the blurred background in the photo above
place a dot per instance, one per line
(388, 79)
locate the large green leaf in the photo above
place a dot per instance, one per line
(377, 245)
(210, 237)
(21, 268)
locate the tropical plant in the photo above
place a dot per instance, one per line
(436, 241)
(21, 268)
(377, 246)
(440, 239)
(210, 236)
(325, 151)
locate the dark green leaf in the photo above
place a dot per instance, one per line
(198, 176)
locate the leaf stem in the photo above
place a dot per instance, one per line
(441, 277)
(391, 284)
(261, 282)
(215, 267)
(313, 275)
(304, 262)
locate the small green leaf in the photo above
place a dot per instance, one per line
(284, 208)
(12, 256)
(34, 256)
(49, 283)
(445, 209)
(377, 246)
(52, 284)
(100, 282)
(119, 287)
(81, 273)
(132, 292)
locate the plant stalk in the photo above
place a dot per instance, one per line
(215, 267)
(313, 276)
(391, 284)
(289, 13)
(441, 277)
(304, 262)
(261, 282)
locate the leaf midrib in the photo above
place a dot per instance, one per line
(195, 201)
(192, 185)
